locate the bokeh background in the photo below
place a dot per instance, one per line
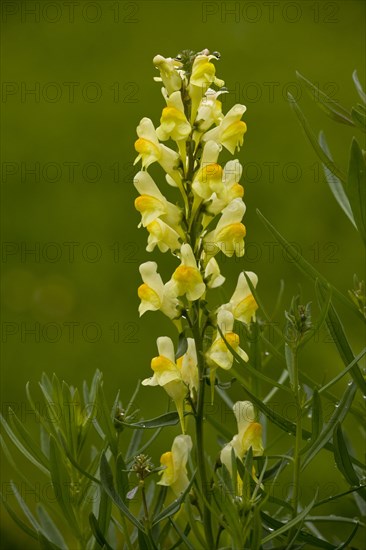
(77, 78)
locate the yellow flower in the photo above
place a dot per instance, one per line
(154, 295)
(174, 123)
(150, 150)
(169, 72)
(209, 111)
(208, 178)
(163, 236)
(213, 276)
(204, 72)
(230, 132)
(229, 233)
(242, 303)
(230, 188)
(219, 354)
(175, 473)
(202, 76)
(249, 435)
(187, 277)
(152, 204)
(189, 368)
(167, 374)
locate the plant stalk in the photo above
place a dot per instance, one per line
(199, 418)
(298, 440)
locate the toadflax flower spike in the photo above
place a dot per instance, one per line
(199, 218)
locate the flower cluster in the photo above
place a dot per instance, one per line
(206, 221)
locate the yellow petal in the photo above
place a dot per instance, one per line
(245, 310)
(253, 438)
(168, 477)
(149, 296)
(189, 281)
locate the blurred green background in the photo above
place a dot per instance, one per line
(76, 80)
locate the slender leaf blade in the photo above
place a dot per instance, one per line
(356, 187)
(358, 85)
(335, 184)
(314, 142)
(342, 457)
(290, 524)
(331, 107)
(106, 478)
(166, 419)
(337, 332)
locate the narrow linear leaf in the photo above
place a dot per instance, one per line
(342, 457)
(358, 85)
(121, 477)
(106, 478)
(334, 183)
(195, 526)
(182, 536)
(49, 528)
(331, 107)
(339, 495)
(135, 442)
(343, 373)
(144, 446)
(349, 538)
(11, 461)
(46, 544)
(327, 433)
(134, 395)
(316, 421)
(314, 142)
(307, 538)
(73, 461)
(182, 345)
(106, 420)
(290, 524)
(356, 187)
(175, 505)
(334, 519)
(301, 263)
(336, 330)
(359, 117)
(21, 447)
(320, 320)
(166, 419)
(98, 534)
(144, 542)
(28, 514)
(275, 469)
(28, 440)
(255, 543)
(15, 517)
(62, 485)
(104, 512)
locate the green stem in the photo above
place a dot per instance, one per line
(199, 418)
(298, 440)
(197, 330)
